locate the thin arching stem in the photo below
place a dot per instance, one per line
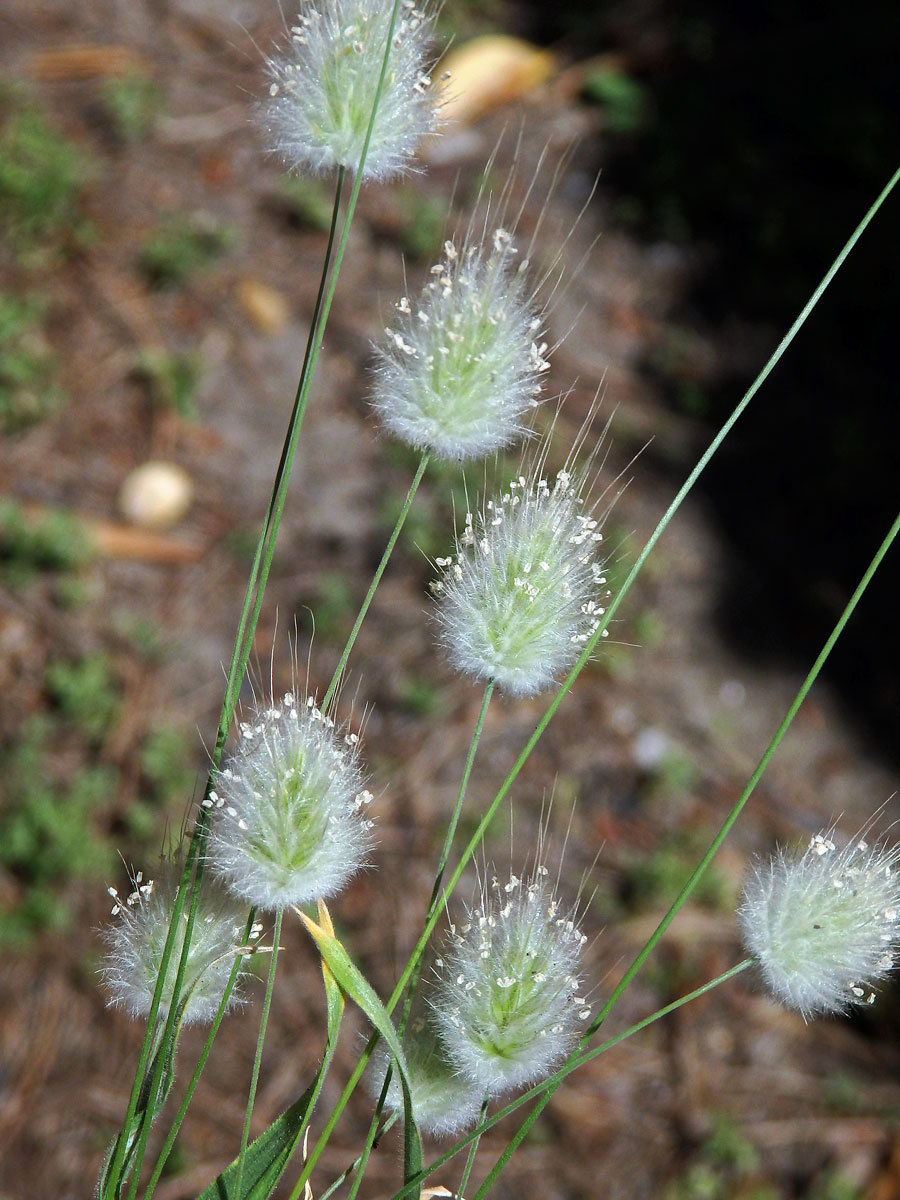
(376, 579)
(412, 1186)
(714, 846)
(435, 896)
(240, 654)
(263, 1025)
(585, 656)
(166, 1150)
(470, 1157)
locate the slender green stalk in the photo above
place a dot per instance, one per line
(448, 837)
(589, 648)
(247, 624)
(240, 654)
(263, 1025)
(166, 1150)
(714, 846)
(252, 605)
(169, 1031)
(333, 1117)
(539, 1090)
(344, 1175)
(317, 342)
(117, 1163)
(435, 893)
(265, 548)
(324, 301)
(751, 783)
(617, 600)
(359, 1166)
(464, 783)
(470, 1157)
(376, 579)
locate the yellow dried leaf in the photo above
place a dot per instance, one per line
(489, 71)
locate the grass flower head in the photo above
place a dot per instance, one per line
(521, 596)
(290, 824)
(323, 88)
(137, 937)
(507, 1002)
(463, 364)
(824, 925)
(444, 1101)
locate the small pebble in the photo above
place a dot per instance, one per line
(156, 495)
(264, 307)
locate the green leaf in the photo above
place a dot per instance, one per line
(358, 989)
(268, 1156)
(334, 996)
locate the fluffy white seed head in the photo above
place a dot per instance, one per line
(463, 364)
(444, 1101)
(522, 594)
(507, 1002)
(825, 924)
(136, 937)
(323, 88)
(290, 820)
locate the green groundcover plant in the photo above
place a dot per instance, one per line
(493, 1015)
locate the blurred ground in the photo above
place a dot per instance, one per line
(169, 284)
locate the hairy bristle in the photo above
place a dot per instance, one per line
(290, 821)
(323, 88)
(825, 924)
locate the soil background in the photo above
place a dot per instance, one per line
(729, 1097)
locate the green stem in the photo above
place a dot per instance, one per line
(436, 898)
(329, 295)
(435, 893)
(249, 618)
(540, 1090)
(263, 1025)
(470, 1157)
(589, 648)
(169, 1031)
(617, 600)
(240, 654)
(247, 624)
(751, 783)
(265, 549)
(117, 1164)
(464, 783)
(336, 1183)
(362, 1160)
(376, 579)
(166, 1150)
(714, 846)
